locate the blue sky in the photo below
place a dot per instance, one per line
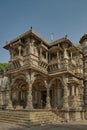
(60, 17)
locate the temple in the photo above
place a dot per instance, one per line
(42, 75)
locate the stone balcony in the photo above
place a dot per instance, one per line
(17, 58)
(74, 102)
(43, 59)
(56, 66)
(25, 62)
(73, 80)
(43, 64)
(53, 61)
(60, 66)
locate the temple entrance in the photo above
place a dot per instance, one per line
(19, 94)
(43, 98)
(22, 96)
(39, 94)
(56, 93)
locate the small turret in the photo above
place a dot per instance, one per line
(83, 42)
(83, 38)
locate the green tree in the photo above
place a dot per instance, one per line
(3, 67)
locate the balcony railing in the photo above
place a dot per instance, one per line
(43, 59)
(60, 66)
(41, 63)
(17, 58)
(73, 80)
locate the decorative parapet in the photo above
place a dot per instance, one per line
(73, 80)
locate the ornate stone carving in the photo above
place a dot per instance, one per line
(30, 79)
(55, 61)
(48, 105)
(65, 98)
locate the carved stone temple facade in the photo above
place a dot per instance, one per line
(46, 75)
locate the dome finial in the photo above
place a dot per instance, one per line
(66, 36)
(31, 28)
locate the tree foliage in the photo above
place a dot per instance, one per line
(3, 67)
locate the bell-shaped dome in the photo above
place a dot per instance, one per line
(83, 38)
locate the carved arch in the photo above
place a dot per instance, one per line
(55, 79)
(19, 77)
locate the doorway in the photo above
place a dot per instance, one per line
(43, 99)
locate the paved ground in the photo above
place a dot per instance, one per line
(82, 125)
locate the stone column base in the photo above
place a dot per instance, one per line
(19, 107)
(9, 107)
(66, 116)
(48, 105)
(29, 106)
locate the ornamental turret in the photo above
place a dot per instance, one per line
(83, 42)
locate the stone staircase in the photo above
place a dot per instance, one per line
(43, 116)
(28, 118)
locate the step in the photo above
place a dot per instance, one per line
(42, 118)
(14, 120)
(16, 116)
(19, 113)
(26, 118)
(23, 124)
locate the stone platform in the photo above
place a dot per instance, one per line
(81, 125)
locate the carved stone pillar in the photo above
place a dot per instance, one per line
(41, 52)
(48, 105)
(10, 107)
(9, 101)
(83, 115)
(1, 99)
(65, 54)
(71, 55)
(57, 55)
(77, 91)
(65, 99)
(30, 79)
(9, 93)
(73, 90)
(11, 56)
(65, 95)
(29, 97)
(74, 99)
(65, 104)
(19, 48)
(47, 55)
(85, 94)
